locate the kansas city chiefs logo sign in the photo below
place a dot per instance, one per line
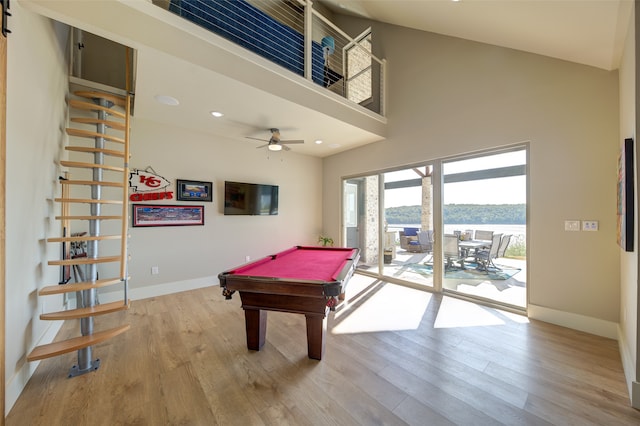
(143, 181)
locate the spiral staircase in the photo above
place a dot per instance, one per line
(90, 205)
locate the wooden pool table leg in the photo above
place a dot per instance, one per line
(256, 326)
(316, 330)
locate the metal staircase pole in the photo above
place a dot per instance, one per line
(89, 296)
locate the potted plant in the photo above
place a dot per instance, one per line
(325, 241)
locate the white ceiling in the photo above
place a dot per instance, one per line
(589, 32)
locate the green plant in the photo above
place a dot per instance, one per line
(325, 241)
(516, 250)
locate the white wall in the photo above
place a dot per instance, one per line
(448, 96)
(36, 89)
(629, 260)
(194, 255)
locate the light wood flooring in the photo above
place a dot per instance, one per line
(394, 356)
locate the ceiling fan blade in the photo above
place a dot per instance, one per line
(292, 141)
(286, 148)
(262, 146)
(256, 139)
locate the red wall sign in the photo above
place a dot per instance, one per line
(151, 196)
(143, 181)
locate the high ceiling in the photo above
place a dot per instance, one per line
(589, 32)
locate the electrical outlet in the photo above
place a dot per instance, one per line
(589, 225)
(155, 270)
(571, 225)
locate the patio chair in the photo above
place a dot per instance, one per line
(504, 243)
(407, 235)
(484, 235)
(451, 250)
(425, 240)
(485, 257)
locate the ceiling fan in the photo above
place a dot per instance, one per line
(275, 143)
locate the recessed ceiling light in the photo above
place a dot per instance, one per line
(318, 142)
(167, 100)
(217, 114)
(334, 145)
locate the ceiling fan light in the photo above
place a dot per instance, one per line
(275, 147)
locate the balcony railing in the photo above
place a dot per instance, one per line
(296, 36)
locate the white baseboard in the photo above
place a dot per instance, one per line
(146, 292)
(629, 369)
(16, 384)
(575, 321)
(19, 380)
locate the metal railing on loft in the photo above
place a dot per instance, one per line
(298, 37)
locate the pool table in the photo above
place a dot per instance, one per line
(303, 279)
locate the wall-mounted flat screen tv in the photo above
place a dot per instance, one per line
(250, 199)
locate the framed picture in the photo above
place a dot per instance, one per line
(167, 215)
(193, 190)
(625, 206)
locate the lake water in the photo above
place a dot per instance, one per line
(519, 231)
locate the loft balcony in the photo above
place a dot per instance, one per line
(205, 70)
(299, 38)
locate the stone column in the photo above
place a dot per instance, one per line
(426, 219)
(371, 217)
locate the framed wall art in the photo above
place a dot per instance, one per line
(147, 215)
(625, 208)
(193, 190)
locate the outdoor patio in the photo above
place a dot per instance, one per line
(504, 284)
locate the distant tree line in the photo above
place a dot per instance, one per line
(479, 214)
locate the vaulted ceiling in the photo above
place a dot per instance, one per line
(588, 32)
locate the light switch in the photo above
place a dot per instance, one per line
(571, 225)
(589, 225)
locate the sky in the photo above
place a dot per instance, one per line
(511, 190)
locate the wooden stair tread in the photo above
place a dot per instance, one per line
(88, 120)
(88, 217)
(84, 238)
(94, 150)
(106, 308)
(72, 287)
(85, 260)
(86, 200)
(90, 134)
(82, 165)
(70, 345)
(94, 107)
(116, 99)
(92, 182)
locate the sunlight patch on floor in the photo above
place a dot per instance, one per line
(388, 308)
(490, 290)
(460, 313)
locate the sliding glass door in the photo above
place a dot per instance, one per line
(408, 240)
(389, 217)
(456, 225)
(484, 207)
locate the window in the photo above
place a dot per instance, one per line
(359, 72)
